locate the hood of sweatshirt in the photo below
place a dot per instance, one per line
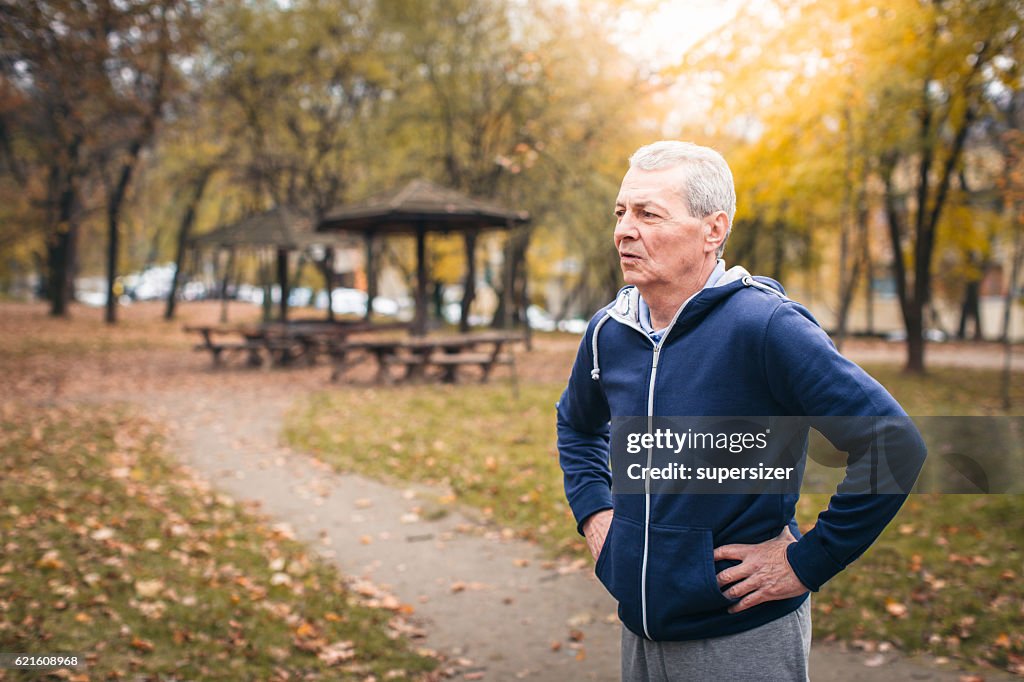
(626, 307)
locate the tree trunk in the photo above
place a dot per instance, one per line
(1011, 294)
(869, 272)
(62, 248)
(184, 232)
(915, 341)
(970, 310)
(60, 256)
(847, 279)
(778, 249)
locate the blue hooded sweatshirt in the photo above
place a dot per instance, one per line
(738, 348)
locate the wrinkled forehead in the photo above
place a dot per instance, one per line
(657, 186)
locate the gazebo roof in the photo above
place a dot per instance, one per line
(280, 227)
(418, 204)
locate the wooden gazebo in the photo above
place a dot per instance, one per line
(281, 229)
(417, 208)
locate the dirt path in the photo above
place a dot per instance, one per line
(492, 603)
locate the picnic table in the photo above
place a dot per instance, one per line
(447, 353)
(283, 343)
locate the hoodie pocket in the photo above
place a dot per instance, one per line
(681, 580)
(618, 567)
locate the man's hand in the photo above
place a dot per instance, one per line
(763, 574)
(595, 528)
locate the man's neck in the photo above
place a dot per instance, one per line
(663, 302)
(663, 305)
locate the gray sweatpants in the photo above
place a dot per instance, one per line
(776, 651)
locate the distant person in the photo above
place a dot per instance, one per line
(710, 587)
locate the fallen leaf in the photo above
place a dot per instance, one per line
(334, 654)
(142, 645)
(51, 560)
(305, 630)
(102, 534)
(147, 589)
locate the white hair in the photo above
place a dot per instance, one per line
(708, 186)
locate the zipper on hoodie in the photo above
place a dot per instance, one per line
(650, 453)
(650, 416)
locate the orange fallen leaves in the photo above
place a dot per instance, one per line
(143, 645)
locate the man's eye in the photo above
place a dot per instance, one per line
(648, 214)
(619, 212)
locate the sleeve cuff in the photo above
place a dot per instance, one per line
(811, 563)
(592, 499)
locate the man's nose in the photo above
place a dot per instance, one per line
(625, 228)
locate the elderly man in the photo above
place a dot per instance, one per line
(709, 586)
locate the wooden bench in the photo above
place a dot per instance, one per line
(218, 349)
(450, 362)
(418, 355)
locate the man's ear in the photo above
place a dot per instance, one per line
(716, 227)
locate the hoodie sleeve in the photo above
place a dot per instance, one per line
(583, 437)
(808, 376)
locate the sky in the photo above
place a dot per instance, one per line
(662, 37)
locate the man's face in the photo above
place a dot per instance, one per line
(660, 244)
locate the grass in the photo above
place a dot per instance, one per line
(944, 578)
(111, 552)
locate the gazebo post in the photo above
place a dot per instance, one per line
(229, 271)
(420, 324)
(328, 270)
(282, 280)
(508, 279)
(469, 289)
(371, 273)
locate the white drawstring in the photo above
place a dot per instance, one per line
(595, 373)
(751, 282)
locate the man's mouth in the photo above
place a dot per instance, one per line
(629, 256)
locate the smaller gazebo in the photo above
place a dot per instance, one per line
(282, 229)
(417, 208)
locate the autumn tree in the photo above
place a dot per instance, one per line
(523, 104)
(50, 77)
(904, 83)
(303, 81)
(139, 43)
